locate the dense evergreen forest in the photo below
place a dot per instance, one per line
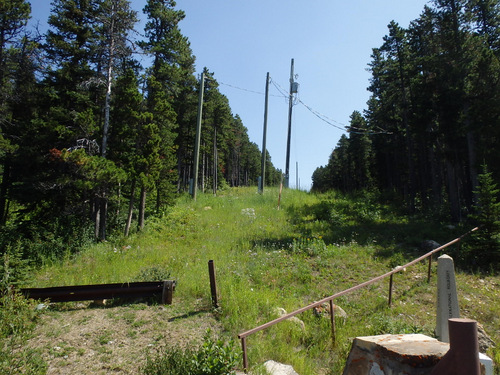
(91, 142)
(433, 119)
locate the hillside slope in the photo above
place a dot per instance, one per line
(265, 258)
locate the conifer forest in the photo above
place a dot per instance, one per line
(98, 121)
(432, 122)
(91, 141)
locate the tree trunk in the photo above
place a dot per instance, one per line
(96, 216)
(103, 211)
(215, 162)
(130, 209)
(471, 148)
(4, 190)
(453, 193)
(142, 208)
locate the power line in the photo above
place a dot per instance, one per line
(242, 89)
(319, 115)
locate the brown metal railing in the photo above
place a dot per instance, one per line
(242, 336)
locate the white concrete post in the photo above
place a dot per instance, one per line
(447, 300)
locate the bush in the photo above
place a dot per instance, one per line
(154, 273)
(482, 250)
(13, 269)
(17, 322)
(214, 357)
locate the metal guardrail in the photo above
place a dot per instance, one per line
(242, 336)
(163, 289)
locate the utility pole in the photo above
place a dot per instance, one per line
(198, 136)
(263, 166)
(215, 182)
(293, 88)
(297, 175)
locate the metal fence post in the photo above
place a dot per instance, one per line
(390, 290)
(213, 284)
(429, 270)
(245, 357)
(332, 319)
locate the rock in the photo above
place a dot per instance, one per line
(323, 310)
(485, 341)
(41, 306)
(276, 368)
(413, 354)
(281, 312)
(429, 245)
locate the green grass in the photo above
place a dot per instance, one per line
(268, 258)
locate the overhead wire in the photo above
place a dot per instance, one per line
(242, 89)
(296, 100)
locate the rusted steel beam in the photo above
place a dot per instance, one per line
(163, 289)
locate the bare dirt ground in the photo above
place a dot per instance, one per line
(82, 338)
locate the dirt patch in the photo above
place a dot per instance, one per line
(84, 339)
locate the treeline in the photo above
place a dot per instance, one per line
(91, 141)
(433, 119)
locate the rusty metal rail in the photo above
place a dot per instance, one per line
(163, 289)
(242, 336)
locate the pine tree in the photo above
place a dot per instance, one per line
(127, 114)
(14, 15)
(360, 153)
(172, 64)
(116, 21)
(484, 244)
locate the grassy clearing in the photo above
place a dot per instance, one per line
(266, 258)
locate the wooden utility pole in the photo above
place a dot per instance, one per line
(290, 106)
(297, 175)
(198, 136)
(215, 169)
(263, 166)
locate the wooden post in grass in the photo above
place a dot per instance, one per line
(213, 284)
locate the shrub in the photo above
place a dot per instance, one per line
(154, 273)
(483, 246)
(13, 269)
(214, 357)
(17, 322)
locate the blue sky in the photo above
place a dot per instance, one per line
(330, 41)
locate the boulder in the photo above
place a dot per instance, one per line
(276, 368)
(323, 310)
(279, 311)
(429, 245)
(485, 341)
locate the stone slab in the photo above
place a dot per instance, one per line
(413, 354)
